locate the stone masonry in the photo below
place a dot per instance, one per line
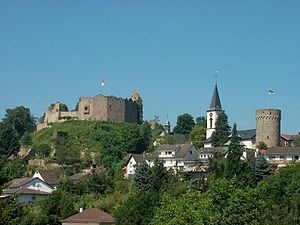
(100, 107)
(268, 126)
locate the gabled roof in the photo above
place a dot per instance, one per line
(79, 176)
(49, 177)
(215, 101)
(18, 182)
(180, 150)
(244, 134)
(277, 151)
(24, 191)
(247, 134)
(92, 215)
(137, 157)
(180, 139)
(288, 137)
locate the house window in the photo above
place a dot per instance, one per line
(296, 157)
(166, 153)
(170, 153)
(191, 152)
(33, 198)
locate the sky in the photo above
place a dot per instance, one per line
(167, 50)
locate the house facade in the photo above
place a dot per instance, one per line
(282, 156)
(28, 189)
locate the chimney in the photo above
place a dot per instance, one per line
(80, 210)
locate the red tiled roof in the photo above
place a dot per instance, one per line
(92, 215)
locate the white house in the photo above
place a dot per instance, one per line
(28, 189)
(133, 161)
(281, 156)
(172, 156)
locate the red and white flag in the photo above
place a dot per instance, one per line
(102, 83)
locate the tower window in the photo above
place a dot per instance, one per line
(86, 110)
(268, 137)
(210, 122)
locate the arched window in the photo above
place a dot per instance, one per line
(210, 122)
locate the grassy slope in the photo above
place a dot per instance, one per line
(89, 135)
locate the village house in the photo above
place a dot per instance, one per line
(32, 189)
(91, 216)
(28, 189)
(282, 156)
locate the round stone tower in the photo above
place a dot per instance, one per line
(268, 126)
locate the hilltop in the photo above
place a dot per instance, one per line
(84, 142)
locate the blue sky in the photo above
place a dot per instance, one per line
(167, 50)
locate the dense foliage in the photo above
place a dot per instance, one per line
(13, 126)
(184, 125)
(108, 141)
(220, 136)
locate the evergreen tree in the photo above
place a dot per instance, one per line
(159, 175)
(262, 168)
(235, 151)
(220, 136)
(143, 177)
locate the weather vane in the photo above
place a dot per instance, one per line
(216, 76)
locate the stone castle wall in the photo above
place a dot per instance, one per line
(268, 126)
(131, 111)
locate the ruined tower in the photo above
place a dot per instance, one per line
(268, 126)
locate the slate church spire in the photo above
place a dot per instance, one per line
(215, 101)
(213, 112)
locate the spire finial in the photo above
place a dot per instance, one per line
(216, 76)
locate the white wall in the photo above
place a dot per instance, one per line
(28, 198)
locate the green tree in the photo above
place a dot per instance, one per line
(143, 177)
(43, 150)
(138, 208)
(262, 146)
(66, 151)
(26, 139)
(9, 140)
(235, 152)
(10, 211)
(13, 169)
(20, 119)
(297, 141)
(100, 183)
(198, 135)
(201, 121)
(59, 205)
(184, 125)
(111, 149)
(262, 168)
(146, 135)
(220, 136)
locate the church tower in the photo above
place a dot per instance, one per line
(213, 112)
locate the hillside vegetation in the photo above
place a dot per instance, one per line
(107, 142)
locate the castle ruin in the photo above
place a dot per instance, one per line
(100, 107)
